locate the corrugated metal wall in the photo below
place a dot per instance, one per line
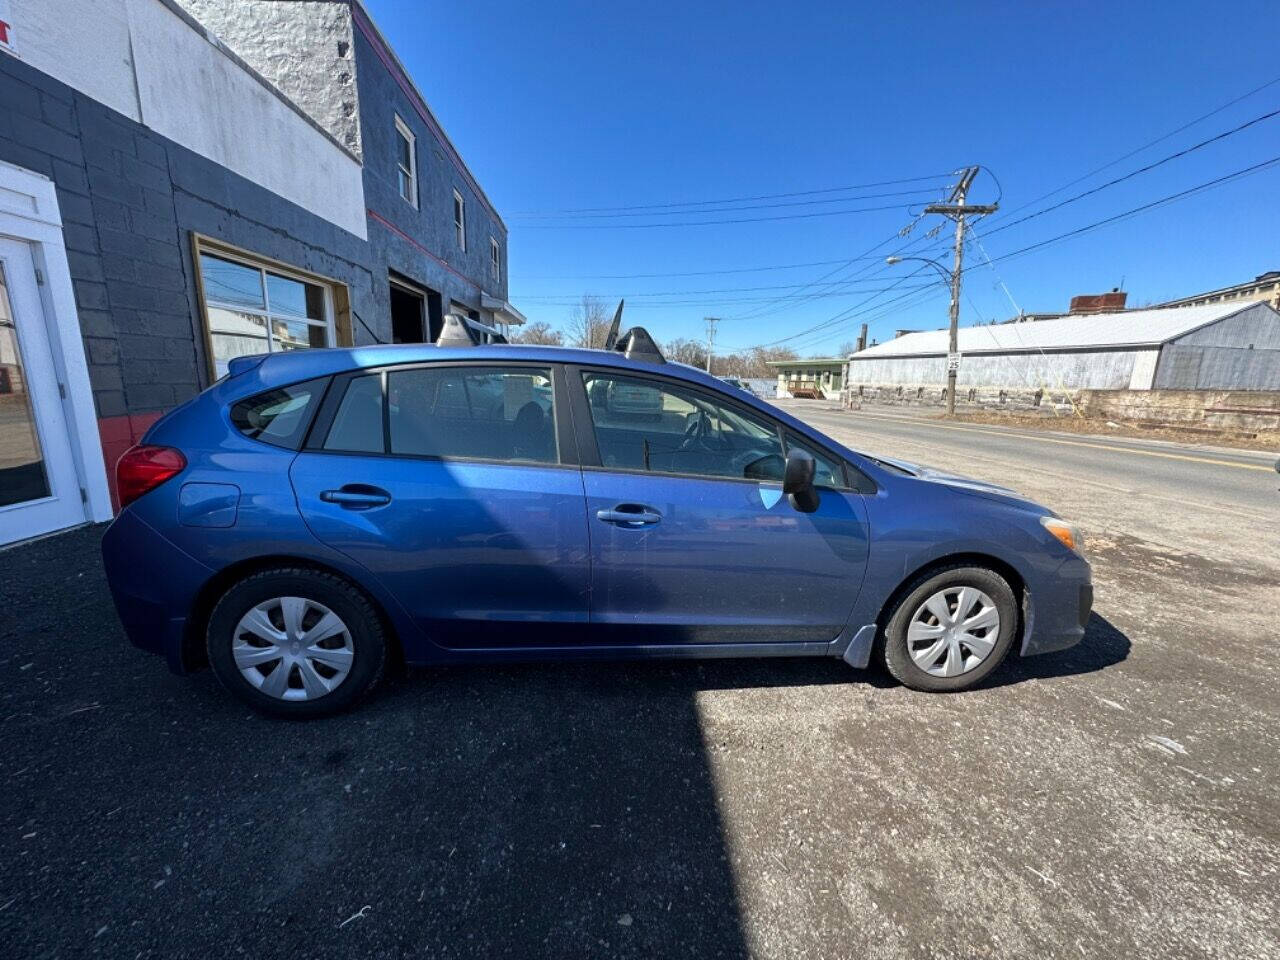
(1217, 368)
(1095, 370)
(1241, 352)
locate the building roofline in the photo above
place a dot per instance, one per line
(214, 40)
(809, 361)
(1256, 282)
(363, 22)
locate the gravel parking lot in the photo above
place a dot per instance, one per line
(1121, 799)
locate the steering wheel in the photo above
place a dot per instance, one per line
(694, 431)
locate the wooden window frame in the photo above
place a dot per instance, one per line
(337, 296)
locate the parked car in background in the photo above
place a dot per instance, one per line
(318, 513)
(741, 384)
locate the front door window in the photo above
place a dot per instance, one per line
(22, 469)
(655, 427)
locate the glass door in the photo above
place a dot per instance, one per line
(39, 490)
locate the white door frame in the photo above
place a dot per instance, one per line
(29, 212)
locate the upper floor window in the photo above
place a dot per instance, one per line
(460, 220)
(495, 259)
(406, 163)
(253, 307)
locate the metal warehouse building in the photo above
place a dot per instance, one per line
(1220, 346)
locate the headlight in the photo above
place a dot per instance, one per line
(1065, 532)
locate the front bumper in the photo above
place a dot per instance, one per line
(1057, 609)
(153, 584)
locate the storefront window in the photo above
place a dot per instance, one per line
(256, 309)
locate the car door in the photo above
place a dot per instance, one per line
(457, 486)
(692, 540)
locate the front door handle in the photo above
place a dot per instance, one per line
(357, 496)
(630, 515)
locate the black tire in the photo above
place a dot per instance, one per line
(897, 659)
(357, 612)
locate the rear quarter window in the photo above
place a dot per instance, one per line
(279, 417)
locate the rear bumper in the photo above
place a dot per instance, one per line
(153, 585)
(1058, 609)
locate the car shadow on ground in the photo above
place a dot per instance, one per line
(541, 810)
(548, 810)
(1104, 645)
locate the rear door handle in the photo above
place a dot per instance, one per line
(630, 515)
(357, 496)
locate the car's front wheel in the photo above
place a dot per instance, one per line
(296, 643)
(951, 628)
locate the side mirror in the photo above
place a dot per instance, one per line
(797, 481)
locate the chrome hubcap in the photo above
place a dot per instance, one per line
(953, 631)
(292, 648)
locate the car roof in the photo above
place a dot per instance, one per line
(279, 369)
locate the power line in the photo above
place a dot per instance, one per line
(699, 273)
(848, 313)
(672, 293)
(1172, 198)
(570, 302)
(754, 206)
(763, 196)
(705, 223)
(1129, 176)
(796, 298)
(1147, 146)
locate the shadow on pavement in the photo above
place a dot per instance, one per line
(1104, 645)
(533, 811)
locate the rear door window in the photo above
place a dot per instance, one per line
(473, 413)
(281, 416)
(357, 424)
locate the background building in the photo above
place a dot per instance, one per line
(438, 244)
(813, 379)
(1224, 346)
(164, 207)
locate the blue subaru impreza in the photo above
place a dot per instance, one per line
(316, 514)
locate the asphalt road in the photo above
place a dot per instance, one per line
(1121, 799)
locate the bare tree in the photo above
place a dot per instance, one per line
(692, 352)
(538, 333)
(589, 323)
(846, 348)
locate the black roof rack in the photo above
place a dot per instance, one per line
(460, 331)
(636, 344)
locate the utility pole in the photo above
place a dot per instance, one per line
(711, 338)
(956, 209)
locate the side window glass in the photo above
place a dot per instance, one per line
(278, 417)
(473, 413)
(827, 472)
(653, 426)
(357, 426)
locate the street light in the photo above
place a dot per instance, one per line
(952, 277)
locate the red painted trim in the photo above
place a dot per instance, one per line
(380, 46)
(404, 236)
(118, 434)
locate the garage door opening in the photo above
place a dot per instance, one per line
(408, 315)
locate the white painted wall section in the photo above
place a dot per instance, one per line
(1144, 370)
(83, 43)
(191, 92)
(143, 59)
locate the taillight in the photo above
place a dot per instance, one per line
(145, 467)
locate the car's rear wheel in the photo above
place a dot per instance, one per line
(296, 643)
(951, 629)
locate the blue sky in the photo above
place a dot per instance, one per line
(603, 105)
